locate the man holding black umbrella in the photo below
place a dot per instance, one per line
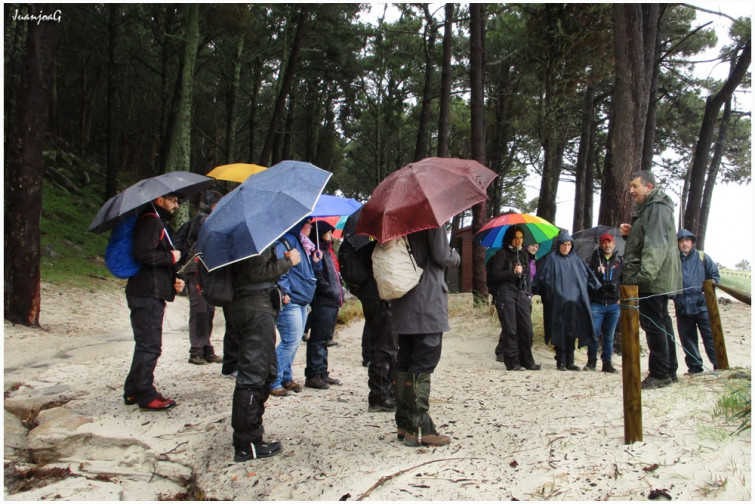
(146, 293)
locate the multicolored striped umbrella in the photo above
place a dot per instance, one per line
(535, 229)
(336, 222)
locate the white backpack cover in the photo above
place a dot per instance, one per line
(394, 268)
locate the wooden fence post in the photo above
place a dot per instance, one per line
(722, 358)
(630, 362)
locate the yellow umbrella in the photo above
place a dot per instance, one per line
(236, 172)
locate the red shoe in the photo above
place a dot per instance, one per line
(158, 403)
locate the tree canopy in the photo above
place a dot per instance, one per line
(145, 88)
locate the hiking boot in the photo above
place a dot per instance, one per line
(674, 378)
(331, 381)
(257, 451)
(590, 366)
(292, 386)
(693, 373)
(195, 359)
(279, 392)
(131, 400)
(499, 358)
(316, 382)
(331, 343)
(608, 367)
(214, 358)
(426, 440)
(654, 383)
(572, 367)
(159, 403)
(562, 367)
(534, 367)
(517, 368)
(384, 407)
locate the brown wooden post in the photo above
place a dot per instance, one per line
(722, 359)
(630, 362)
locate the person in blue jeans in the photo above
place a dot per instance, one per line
(604, 303)
(298, 287)
(691, 307)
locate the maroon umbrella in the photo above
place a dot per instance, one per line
(423, 195)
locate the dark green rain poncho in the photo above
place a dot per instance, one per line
(563, 282)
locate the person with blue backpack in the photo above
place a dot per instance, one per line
(146, 293)
(298, 289)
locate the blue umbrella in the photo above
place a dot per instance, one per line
(332, 206)
(254, 215)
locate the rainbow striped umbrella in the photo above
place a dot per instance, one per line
(535, 229)
(336, 222)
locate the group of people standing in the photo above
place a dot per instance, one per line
(581, 299)
(403, 338)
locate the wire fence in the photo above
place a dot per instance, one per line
(673, 338)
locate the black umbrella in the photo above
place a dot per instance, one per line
(130, 200)
(586, 241)
(357, 241)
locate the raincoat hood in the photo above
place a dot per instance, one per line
(296, 228)
(320, 228)
(563, 237)
(683, 233)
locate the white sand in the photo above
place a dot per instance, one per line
(534, 435)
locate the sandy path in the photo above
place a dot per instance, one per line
(525, 435)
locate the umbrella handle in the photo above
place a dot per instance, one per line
(167, 235)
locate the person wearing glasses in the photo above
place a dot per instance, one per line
(146, 294)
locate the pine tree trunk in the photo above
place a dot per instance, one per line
(477, 98)
(710, 181)
(707, 129)
(179, 152)
(420, 150)
(287, 80)
(24, 172)
(232, 120)
(445, 84)
(581, 188)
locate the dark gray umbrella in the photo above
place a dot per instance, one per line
(586, 241)
(130, 200)
(357, 241)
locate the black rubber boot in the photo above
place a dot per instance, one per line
(246, 417)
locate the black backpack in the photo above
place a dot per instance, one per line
(216, 286)
(355, 264)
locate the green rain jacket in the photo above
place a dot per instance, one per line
(651, 257)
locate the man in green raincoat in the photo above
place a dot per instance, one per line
(652, 264)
